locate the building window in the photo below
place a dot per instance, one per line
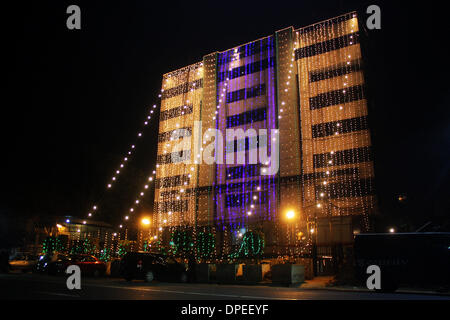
(165, 136)
(184, 88)
(341, 126)
(335, 71)
(353, 188)
(338, 158)
(249, 49)
(176, 112)
(174, 157)
(247, 117)
(245, 199)
(170, 182)
(337, 97)
(327, 46)
(246, 93)
(174, 206)
(246, 70)
(249, 170)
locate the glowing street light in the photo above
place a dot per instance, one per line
(145, 221)
(290, 214)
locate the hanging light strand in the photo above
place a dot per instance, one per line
(126, 158)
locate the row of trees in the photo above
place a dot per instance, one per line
(181, 245)
(53, 244)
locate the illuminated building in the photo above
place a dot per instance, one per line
(307, 83)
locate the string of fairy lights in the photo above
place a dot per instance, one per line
(240, 218)
(249, 209)
(126, 158)
(331, 148)
(175, 193)
(288, 101)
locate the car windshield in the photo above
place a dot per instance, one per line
(88, 259)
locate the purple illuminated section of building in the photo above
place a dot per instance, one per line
(232, 63)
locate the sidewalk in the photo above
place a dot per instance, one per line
(325, 283)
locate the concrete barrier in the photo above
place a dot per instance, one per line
(288, 273)
(226, 273)
(255, 272)
(203, 272)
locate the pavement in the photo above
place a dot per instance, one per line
(326, 283)
(44, 287)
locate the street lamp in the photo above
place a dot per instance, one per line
(290, 214)
(145, 221)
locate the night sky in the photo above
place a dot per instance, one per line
(75, 99)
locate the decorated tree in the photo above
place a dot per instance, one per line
(85, 246)
(252, 246)
(124, 247)
(89, 247)
(205, 244)
(105, 255)
(49, 245)
(154, 245)
(52, 244)
(181, 242)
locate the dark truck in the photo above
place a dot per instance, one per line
(405, 259)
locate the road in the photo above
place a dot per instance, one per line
(42, 287)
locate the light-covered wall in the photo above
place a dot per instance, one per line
(314, 95)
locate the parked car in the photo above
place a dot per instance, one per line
(51, 263)
(150, 266)
(89, 265)
(23, 261)
(58, 263)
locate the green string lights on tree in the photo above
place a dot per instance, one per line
(77, 247)
(52, 244)
(49, 245)
(146, 246)
(154, 246)
(125, 247)
(122, 251)
(83, 247)
(89, 247)
(105, 255)
(254, 243)
(252, 246)
(205, 244)
(181, 242)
